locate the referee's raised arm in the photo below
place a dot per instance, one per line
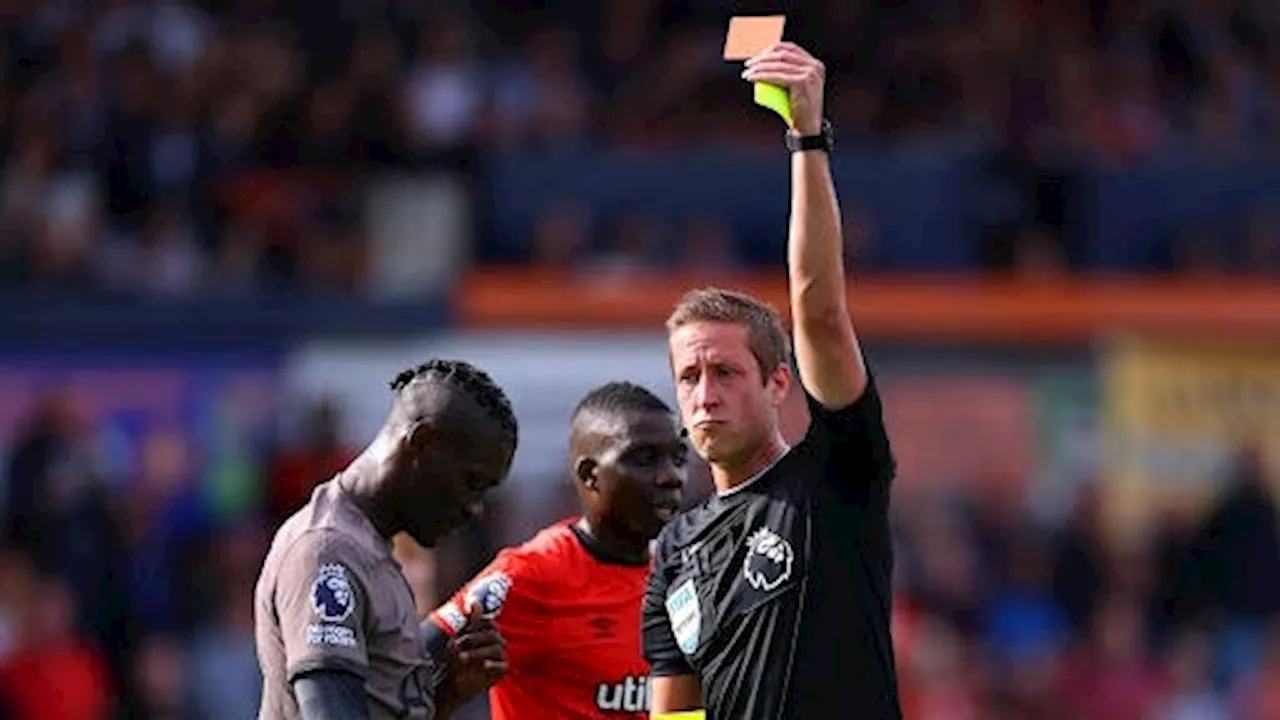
(769, 600)
(826, 348)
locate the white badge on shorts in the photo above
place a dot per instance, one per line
(686, 616)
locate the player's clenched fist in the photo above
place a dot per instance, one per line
(790, 66)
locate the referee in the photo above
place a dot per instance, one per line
(770, 600)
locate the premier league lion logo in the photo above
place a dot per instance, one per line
(332, 598)
(769, 560)
(490, 592)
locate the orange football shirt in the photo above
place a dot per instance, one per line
(572, 625)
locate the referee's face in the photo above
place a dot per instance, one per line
(727, 407)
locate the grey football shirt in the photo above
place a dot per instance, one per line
(332, 597)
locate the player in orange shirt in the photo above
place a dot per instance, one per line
(568, 601)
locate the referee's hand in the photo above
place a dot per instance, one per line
(790, 66)
(477, 657)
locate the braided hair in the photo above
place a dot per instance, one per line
(467, 378)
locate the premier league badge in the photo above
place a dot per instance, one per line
(768, 561)
(332, 598)
(490, 592)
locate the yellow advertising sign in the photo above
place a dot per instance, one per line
(1177, 414)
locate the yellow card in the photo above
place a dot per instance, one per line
(688, 715)
(775, 98)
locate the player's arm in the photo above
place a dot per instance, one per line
(474, 661)
(321, 600)
(471, 633)
(331, 695)
(673, 683)
(844, 402)
(827, 352)
(490, 589)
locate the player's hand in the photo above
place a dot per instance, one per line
(477, 657)
(790, 66)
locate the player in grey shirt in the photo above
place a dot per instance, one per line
(335, 622)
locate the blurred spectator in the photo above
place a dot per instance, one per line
(373, 72)
(709, 248)
(1110, 677)
(1190, 673)
(50, 672)
(165, 259)
(1258, 696)
(324, 136)
(60, 516)
(336, 258)
(1242, 532)
(1023, 622)
(224, 679)
(940, 677)
(47, 465)
(634, 244)
(167, 524)
(1079, 561)
(948, 583)
(561, 236)
(159, 680)
(1128, 125)
(443, 100)
(1178, 602)
(298, 467)
(541, 97)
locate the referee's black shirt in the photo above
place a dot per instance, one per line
(776, 594)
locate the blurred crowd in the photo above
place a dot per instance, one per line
(1001, 617)
(177, 146)
(127, 593)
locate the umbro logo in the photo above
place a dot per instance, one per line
(602, 627)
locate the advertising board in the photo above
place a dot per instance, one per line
(1177, 413)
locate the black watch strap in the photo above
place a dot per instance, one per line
(824, 140)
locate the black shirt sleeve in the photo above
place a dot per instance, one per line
(660, 648)
(331, 695)
(858, 460)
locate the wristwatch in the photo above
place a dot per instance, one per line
(825, 140)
